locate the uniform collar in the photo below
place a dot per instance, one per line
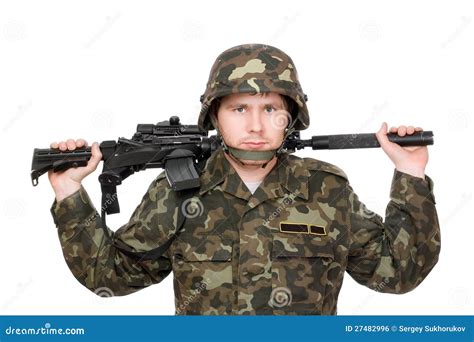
(288, 176)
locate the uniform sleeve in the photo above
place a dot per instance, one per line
(116, 263)
(397, 254)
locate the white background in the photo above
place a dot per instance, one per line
(95, 69)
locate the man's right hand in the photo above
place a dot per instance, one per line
(67, 182)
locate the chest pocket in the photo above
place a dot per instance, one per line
(301, 265)
(202, 271)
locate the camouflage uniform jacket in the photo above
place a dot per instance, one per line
(282, 250)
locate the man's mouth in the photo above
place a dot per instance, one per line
(254, 144)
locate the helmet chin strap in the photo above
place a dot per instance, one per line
(238, 155)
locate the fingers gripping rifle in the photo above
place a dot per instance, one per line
(182, 151)
(179, 149)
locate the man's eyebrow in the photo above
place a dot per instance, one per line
(278, 104)
(236, 105)
(275, 103)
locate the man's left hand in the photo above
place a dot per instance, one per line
(412, 159)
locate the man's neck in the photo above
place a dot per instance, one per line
(251, 173)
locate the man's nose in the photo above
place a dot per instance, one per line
(254, 121)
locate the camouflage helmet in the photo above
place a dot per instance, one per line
(254, 68)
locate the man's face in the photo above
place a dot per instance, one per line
(253, 122)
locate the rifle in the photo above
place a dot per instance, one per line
(182, 151)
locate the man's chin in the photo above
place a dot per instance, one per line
(253, 162)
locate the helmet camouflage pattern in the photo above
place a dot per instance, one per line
(253, 68)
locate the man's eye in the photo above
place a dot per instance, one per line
(269, 109)
(239, 109)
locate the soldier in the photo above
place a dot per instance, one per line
(267, 232)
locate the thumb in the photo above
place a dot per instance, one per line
(95, 158)
(382, 136)
(390, 148)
